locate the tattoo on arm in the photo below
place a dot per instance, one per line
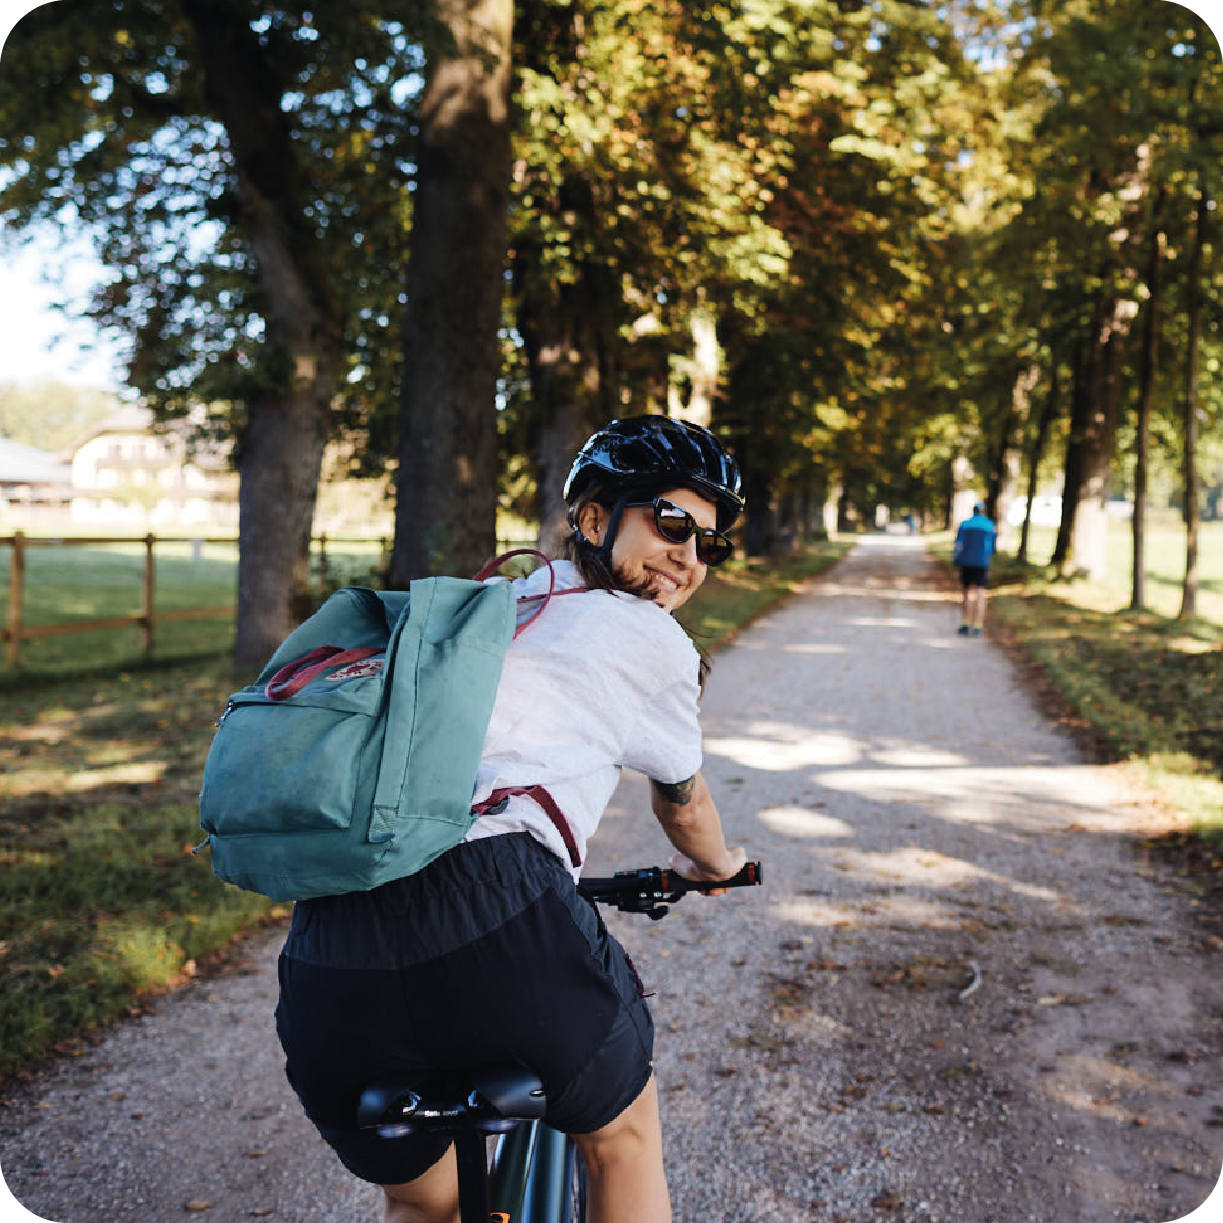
(678, 792)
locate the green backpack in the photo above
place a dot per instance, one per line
(352, 759)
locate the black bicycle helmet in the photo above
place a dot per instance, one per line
(658, 451)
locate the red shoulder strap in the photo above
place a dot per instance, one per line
(545, 800)
(490, 567)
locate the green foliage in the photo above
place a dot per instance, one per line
(889, 213)
(109, 122)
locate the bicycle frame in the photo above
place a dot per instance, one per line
(532, 1176)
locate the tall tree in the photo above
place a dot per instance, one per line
(1192, 510)
(228, 159)
(445, 515)
(1148, 365)
(1049, 408)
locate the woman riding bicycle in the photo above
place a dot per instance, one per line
(488, 955)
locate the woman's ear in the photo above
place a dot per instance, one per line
(592, 520)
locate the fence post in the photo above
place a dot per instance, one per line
(16, 596)
(146, 607)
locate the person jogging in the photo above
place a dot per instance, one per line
(488, 955)
(975, 543)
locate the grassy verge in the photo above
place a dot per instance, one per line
(1145, 687)
(103, 901)
(104, 904)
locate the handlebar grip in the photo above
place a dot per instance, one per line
(749, 874)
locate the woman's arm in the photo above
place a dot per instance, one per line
(688, 816)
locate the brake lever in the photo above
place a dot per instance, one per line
(654, 907)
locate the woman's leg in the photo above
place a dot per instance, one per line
(432, 1197)
(625, 1178)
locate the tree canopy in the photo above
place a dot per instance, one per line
(885, 249)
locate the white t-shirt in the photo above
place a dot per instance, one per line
(599, 681)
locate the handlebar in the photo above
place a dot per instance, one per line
(653, 889)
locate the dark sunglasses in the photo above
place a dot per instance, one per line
(677, 526)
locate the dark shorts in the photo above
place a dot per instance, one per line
(487, 956)
(974, 575)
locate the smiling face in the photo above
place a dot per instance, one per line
(641, 554)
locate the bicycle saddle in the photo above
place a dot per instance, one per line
(491, 1100)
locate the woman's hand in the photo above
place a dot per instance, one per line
(735, 860)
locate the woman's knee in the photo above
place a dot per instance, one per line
(634, 1136)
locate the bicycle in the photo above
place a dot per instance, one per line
(536, 1174)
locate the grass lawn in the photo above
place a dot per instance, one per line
(99, 781)
(1165, 568)
(71, 582)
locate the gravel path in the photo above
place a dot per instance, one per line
(961, 997)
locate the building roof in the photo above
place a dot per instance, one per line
(20, 464)
(130, 418)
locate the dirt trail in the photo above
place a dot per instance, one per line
(962, 996)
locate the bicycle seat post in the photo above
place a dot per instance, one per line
(470, 1156)
(464, 1108)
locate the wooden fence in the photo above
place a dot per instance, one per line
(15, 631)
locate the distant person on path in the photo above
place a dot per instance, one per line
(975, 543)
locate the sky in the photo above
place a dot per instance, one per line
(39, 342)
(36, 341)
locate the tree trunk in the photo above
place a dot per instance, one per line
(281, 450)
(446, 485)
(1072, 467)
(1048, 414)
(1146, 385)
(1093, 440)
(1017, 410)
(281, 455)
(1189, 593)
(564, 332)
(1090, 552)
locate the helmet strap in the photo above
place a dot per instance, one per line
(613, 527)
(603, 549)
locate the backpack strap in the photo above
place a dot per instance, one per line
(295, 675)
(498, 798)
(490, 567)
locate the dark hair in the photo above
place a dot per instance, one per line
(595, 566)
(593, 563)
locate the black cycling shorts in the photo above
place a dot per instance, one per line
(488, 956)
(974, 575)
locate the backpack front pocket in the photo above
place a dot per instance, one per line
(305, 778)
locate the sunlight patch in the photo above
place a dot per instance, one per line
(879, 911)
(780, 747)
(800, 822)
(917, 756)
(141, 773)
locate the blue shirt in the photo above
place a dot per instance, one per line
(974, 542)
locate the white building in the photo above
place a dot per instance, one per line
(32, 480)
(124, 473)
